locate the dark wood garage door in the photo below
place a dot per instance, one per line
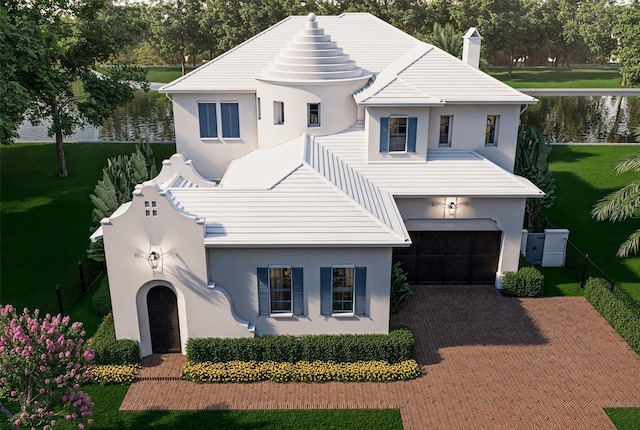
(163, 319)
(451, 257)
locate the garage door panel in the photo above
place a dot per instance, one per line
(456, 257)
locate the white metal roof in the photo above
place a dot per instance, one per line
(301, 210)
(445, 173)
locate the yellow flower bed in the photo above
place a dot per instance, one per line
(302, 371)
(113, 374)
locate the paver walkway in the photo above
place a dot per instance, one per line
(489, 361)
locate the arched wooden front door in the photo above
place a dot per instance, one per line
(162, 304)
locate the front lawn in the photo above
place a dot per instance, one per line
(165, 74)
(585, 174)
(557, 77)
(107, 400)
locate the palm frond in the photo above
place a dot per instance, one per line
(628, 164)
(619, 205)
(632, 244)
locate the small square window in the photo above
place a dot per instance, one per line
(491, 132)
(313, 115)
(146, 204)
(147, 213)
(155, 213)
(278, 113)
(153, 204)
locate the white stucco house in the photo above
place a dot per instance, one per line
(310, 158)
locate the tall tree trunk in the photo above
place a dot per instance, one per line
(510, 65)
(62, 164)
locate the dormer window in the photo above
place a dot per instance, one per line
(445, 130)
(491, 132)
(398, 134)
(313, 115)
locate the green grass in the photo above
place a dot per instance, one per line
(625, 418)
(555, 77)
(585, 174)
(107, 400)
(45, 220)
(558, 282)
(165, 74)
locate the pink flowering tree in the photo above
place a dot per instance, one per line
(42, 362)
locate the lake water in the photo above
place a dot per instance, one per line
(591, 119)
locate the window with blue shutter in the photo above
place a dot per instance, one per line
(208, 120)
(411, 134)
(361, 290)
(230, 120)
(298, 291)
(384, 134)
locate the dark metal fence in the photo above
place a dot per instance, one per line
(69, 292)
(580, 266)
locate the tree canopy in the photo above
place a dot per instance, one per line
(61, 64)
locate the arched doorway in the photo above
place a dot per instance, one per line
(162, 305)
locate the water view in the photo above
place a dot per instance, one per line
(591, 119)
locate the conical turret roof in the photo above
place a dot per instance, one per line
(312, 56)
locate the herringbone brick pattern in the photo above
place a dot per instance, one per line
(489, 361)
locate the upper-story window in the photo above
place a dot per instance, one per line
(278, 112)
(491, 133)
(313, 115)
(259, 108)
(446, 121)
(208, 120)
(230, 120)
(398, 134)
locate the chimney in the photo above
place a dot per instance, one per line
(471, 47)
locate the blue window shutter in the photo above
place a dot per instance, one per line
(208, 120)
(263, 291)
(411, 134)
(230, 120)
(384, 134)
(325, 291)
(361, 290)
(298, 295)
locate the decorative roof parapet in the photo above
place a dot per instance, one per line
(312, 56)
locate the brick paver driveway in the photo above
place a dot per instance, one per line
(490, 362)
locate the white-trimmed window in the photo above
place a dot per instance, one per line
(208, 119)
(313, 114)
(278, 113)
(280, 294)
(230, 120)
(398, 133)
(491, 132)
(342, 289)
(446, 122)
(280, 290)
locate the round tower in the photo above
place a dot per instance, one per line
(308, 87)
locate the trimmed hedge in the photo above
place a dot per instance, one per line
(614, 310)
(526, 282)
(302, 371)
(395, 347)
(110, 350)
(102, 299)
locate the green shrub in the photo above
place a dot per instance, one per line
(302, 371)
(400, 289)
(524, 262)
(614, 310)
(102, 299)
(394, 347)
(526, 282)
(110, 350)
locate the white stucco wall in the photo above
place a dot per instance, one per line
(481, 214)
(210, 156)
(183, 269)
(338, 109)
(236, 271)
(372, 127)
(469, 126)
